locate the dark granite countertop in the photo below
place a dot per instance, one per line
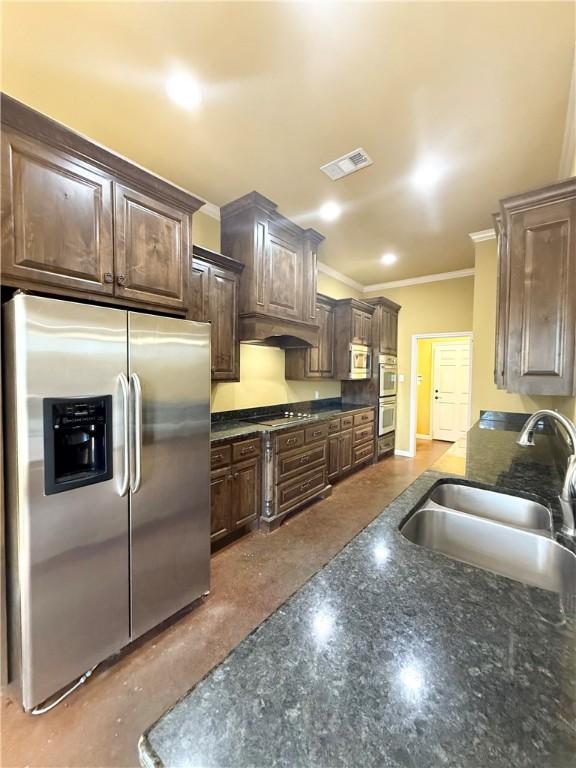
(393, 655)
(223, 429)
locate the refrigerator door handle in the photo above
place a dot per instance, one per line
(136, 468)
(123, 490)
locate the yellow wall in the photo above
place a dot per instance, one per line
(424, 392)
(262, 379)
(442, 307)
(485, 395)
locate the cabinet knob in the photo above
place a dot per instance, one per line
(108, 277)
(236, 475)
(121, 279)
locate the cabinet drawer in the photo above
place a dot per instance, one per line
(287, 441)
(295, 491)
(364, 417)
(362, 434)
(363, 452)
(346, 422)
(334, 426)
(298, 461)
(220, 456)
(246, 449)
(317, 432)
(386, 444)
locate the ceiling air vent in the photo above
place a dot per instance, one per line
(347, 164)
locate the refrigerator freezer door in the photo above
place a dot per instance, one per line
(169, 363)
(70, 593)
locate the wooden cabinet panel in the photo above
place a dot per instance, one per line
(291, 440)
(300, 489)
(333, 426)
(220, 456)
(333, 467)
(357, 333)
(502, 302)
(362, 434)
(247, 490)
(388, 332)
(541, 315)
(220, 503)
(315, 433)
(199, 304)
(352, 325)
(363, 453)
(298, 461)
(347, 421)
(57, 218)
(316, 362)
(346, 444)
(246, 449)
(363, 418)
(283, 270)
(223, 311)
(151, 245)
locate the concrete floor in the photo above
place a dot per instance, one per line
(100, 724)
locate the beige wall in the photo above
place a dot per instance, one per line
(441, 307)
(262, 379)
(485, 395)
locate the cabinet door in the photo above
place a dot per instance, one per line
(223, 303)
(333, 457)
(152, 253)
(346, 446)
(357, 327)
(198, 305)
(366, 329)
(220, 503)
(57, 218)
(283, 271)
(247, 492)
(542, 295)
(502, 303)
(388, 331)
(320, 359)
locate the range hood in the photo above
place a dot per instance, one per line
(277, 332)
(278, 285)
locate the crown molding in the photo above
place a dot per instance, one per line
(482, 235)
(339, 276)
(436, 278)
(211, 210)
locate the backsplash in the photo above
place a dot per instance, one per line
(302, 406)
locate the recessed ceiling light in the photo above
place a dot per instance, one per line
(427, 174)
(184, 90)
(389, 258)
(330, 211)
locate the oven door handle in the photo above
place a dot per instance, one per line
(124, 387)
(136, 452)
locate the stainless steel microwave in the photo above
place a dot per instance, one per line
(360, 366)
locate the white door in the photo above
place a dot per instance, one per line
(450, 391)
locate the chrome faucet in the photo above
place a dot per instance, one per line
(568, 493)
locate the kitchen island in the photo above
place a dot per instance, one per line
(395, 655)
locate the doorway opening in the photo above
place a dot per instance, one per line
(440, 397)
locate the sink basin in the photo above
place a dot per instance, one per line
(519, 554)
(500, 507)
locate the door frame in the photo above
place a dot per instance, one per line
(411, 452)
(434, 348)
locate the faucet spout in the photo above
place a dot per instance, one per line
(568, 493)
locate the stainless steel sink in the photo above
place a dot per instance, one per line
(500, 507)
(519, 554)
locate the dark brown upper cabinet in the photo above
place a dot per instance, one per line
(278, 286)
(384, 327)
(315, 362)
(352, 325)
(215, 284)
(57, 214)
(536, 328)
(79, 220)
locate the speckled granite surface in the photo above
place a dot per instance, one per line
(228, 430)
(393, 655)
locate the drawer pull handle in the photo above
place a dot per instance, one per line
(316, 433)
(291, 440)
(305, 486)
(216, 455)
(249, 449)
(108, 277)
(121, 280)
(304, 459)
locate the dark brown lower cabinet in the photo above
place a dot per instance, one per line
(235, 489)
(339, 454)
(350, 442)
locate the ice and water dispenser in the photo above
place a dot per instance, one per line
(77, 442)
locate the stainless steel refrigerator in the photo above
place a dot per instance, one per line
(108, 430)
